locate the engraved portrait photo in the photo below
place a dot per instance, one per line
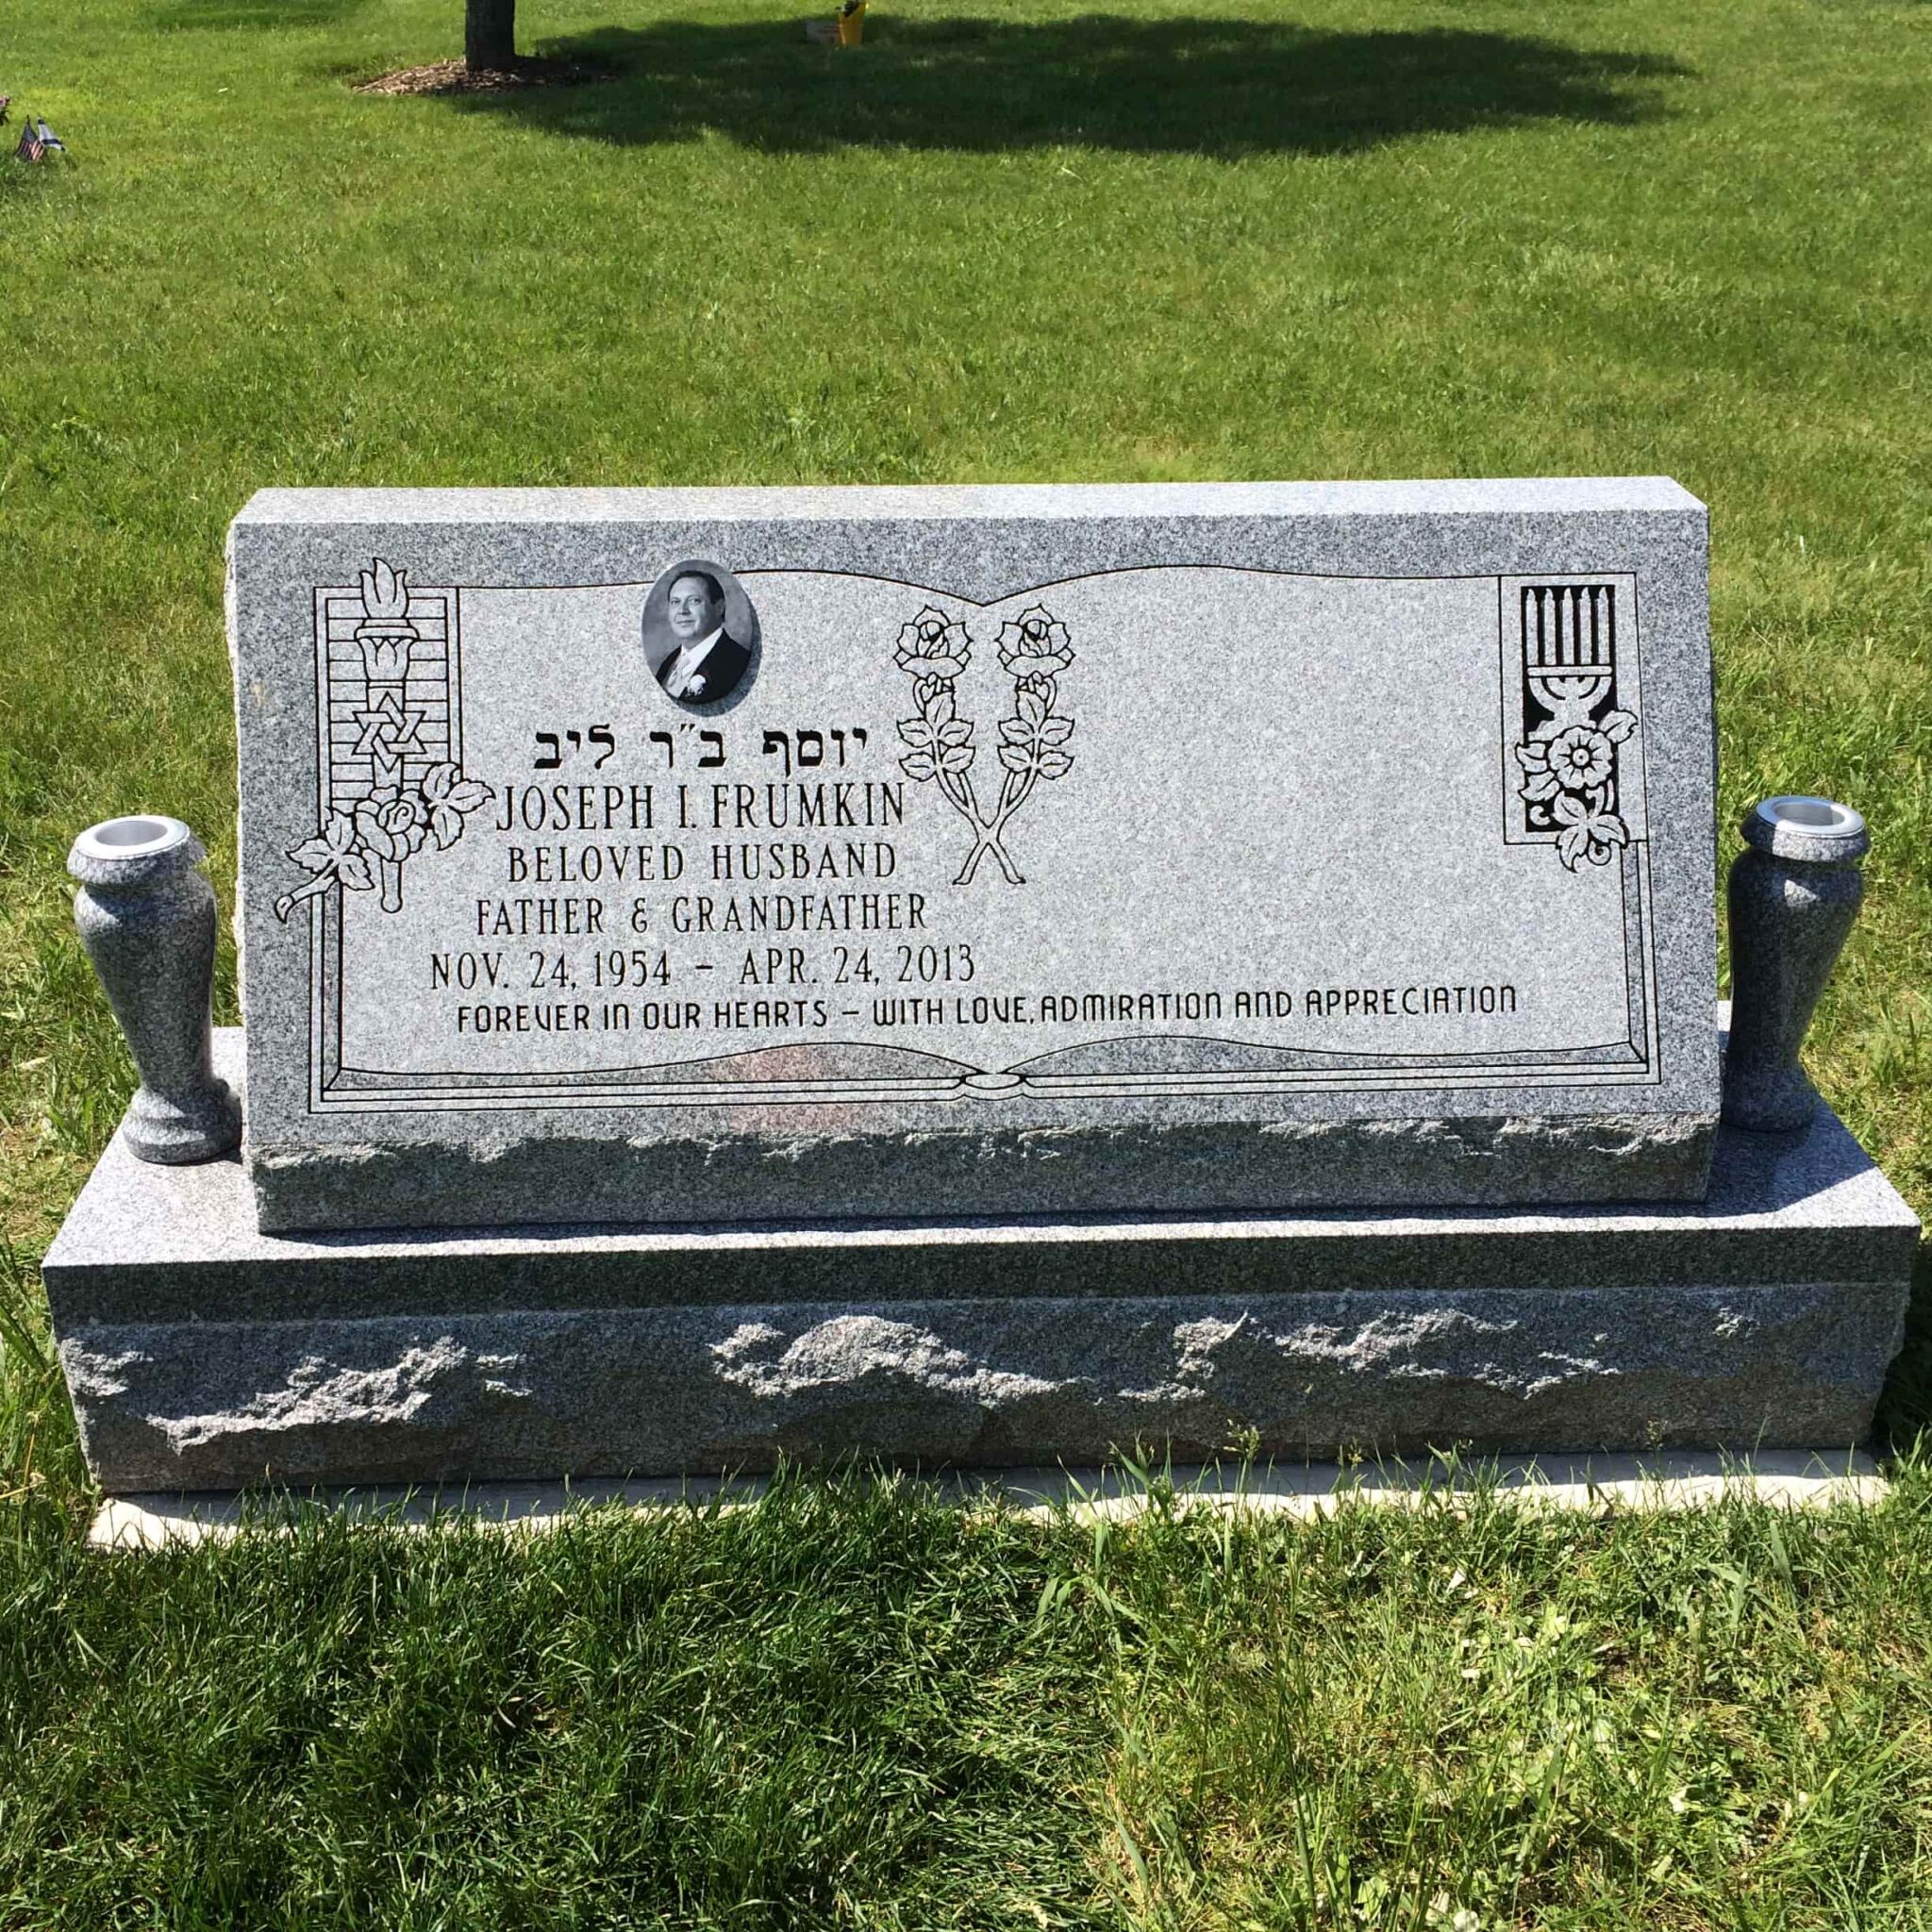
(701, 634)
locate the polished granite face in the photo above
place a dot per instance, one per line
(731, 855)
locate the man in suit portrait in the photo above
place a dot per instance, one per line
(708, 661)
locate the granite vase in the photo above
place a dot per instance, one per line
(1794, 891)
(147, 919)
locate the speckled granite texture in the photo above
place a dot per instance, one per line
(658, 1390)
(204, 1354)
(1298, 714)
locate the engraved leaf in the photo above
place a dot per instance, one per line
(1617, 726)
(468, 795)
(917, 733)
(437, 781)
(1054, 764)
(957, 758)
(1588, 832)
(1055, 730)
(1537, 785)
(1017, 731)
(1533, 758)
(1015, 760)
(957, 732)
(316, 853)
(1032, 706)
(357, 873)
(445, 826)
(340, 831)
(918, 764)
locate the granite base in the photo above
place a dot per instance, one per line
(202, 1354)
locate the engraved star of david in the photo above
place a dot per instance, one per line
(387, 726)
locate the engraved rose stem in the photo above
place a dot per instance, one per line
(990, 832)
(934, 650)
(986, 832)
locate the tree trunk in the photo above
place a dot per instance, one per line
(490, 33)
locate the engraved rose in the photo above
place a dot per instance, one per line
(1035, 641)
(933, 645)
(941, 743)
(392, 825)
(1031, 738)
(366, 847)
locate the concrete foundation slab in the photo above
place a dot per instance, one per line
(1783, 1478)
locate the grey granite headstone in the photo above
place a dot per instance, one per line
(667, 856)
(975, 976)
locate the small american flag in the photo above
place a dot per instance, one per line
(37, 140)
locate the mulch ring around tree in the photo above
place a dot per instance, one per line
(458, 78)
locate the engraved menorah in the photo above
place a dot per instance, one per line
(1568, 648)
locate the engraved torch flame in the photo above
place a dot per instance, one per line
(385, 632)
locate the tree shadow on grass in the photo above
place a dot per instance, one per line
(1218, 86)
(255, 13)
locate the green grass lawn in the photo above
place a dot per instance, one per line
(1392, 238)
(852, 1705)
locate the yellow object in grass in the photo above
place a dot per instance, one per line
(846, 28)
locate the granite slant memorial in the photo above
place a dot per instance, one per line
(1012, 852)
(987, 974)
